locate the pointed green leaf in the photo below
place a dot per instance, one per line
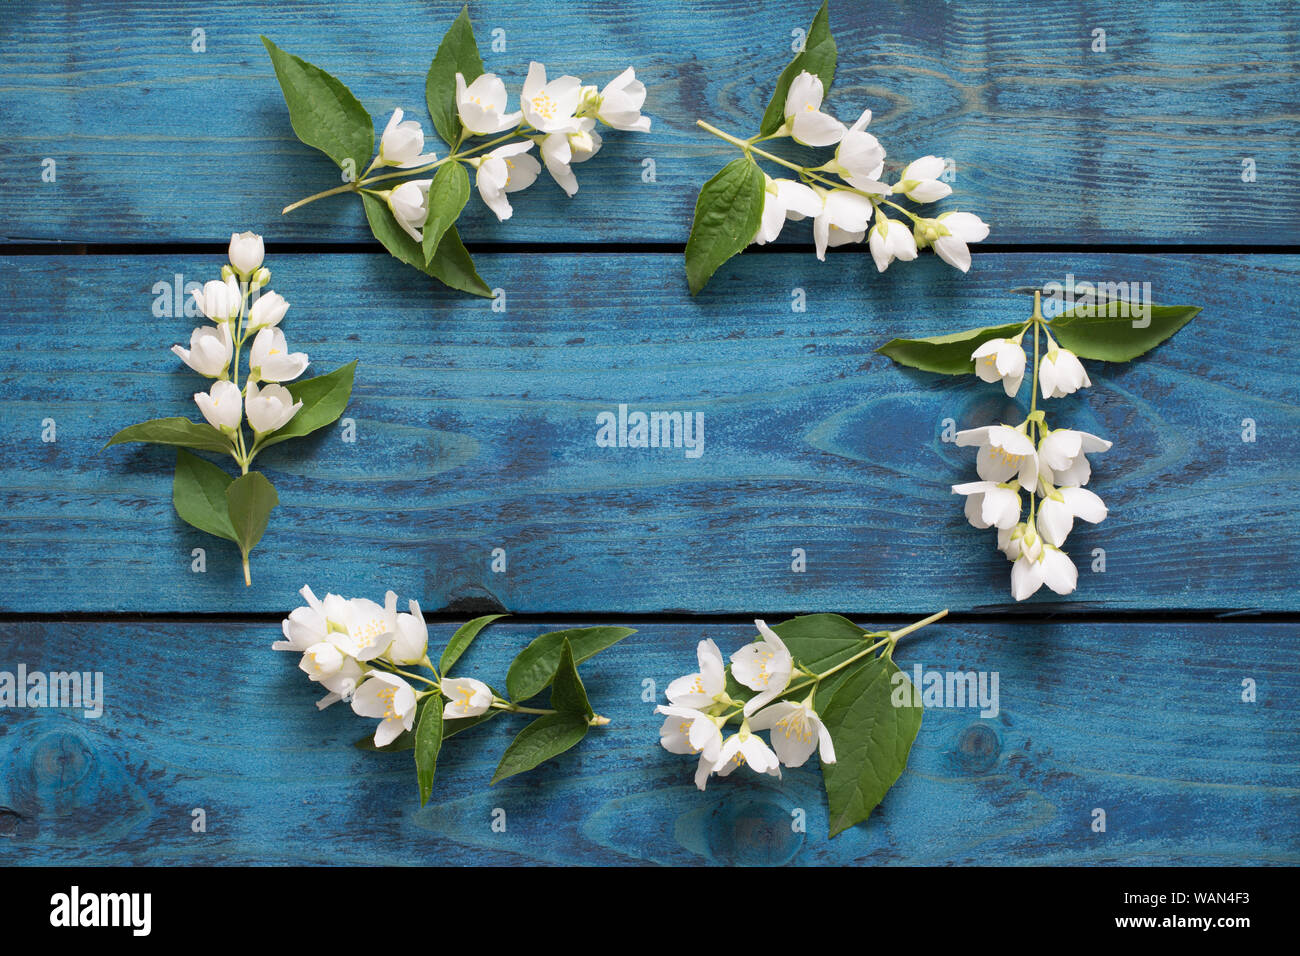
(1114, 332)
(457, 53)
(323, 111)
(872, 738)
(428, 741)
(199, 494)
(451, 264)
(180, 432)
(323, 398)
(544, 738)
(250, 499)
(727, 216)
(567, 693)
(947, 354)
(462, 639)
(817, 57)
(448, 194)
(535, 667)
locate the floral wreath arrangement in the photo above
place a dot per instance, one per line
(270, 403)
(363, 652)
(741, 204)
(415, 219)
(1049, 464)
(817, 683)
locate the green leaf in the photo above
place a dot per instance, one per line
(1116, 338)
(323, 400)
(448, 194)
(250, 499)
(457, 53)
(567, 693)
(323, 111)
(534, 668)
(819, 641)
(461, 640)
(199, 494)
(873, 739)
(180, 432)
(428, 741)
(544, 738)
(947, 354)
(727, 216)
(817, 57)
(451, 264)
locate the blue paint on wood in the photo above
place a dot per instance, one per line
(476, 430)
(1144, 721)
(1142, 142)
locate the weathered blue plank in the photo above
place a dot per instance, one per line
(1143, 721)
(1053, 142)
(477, 429)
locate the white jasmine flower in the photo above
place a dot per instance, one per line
(269, 407)
(269, 360)
(1003, 452)
(389, 698)
(764, 666)
(549, 107)
(989, 504)
(797, 731)
(411, 644)
(742, 748)
(402, 143)
(1001, 360)
(1063, 453)
(266, 312)
(210, 350)
(482, 104)
(409, 204)
(962, 228)
(1052, 567)
(804, 119)
(1022, 539)
(860, 158)
(920, 180)
(621, 101)
(507, 169)
(307, 625)
(222, 406)
(332, 669)
(843, 219)
(561, 150)
(888, 240)
(1061, 373)
(785, 199)
(246, 252)
(1059, 508)
(702, 688)
(689, 730)
(465, 696)
(367, 628)
(220, 300)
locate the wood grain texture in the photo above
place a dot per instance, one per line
(1141, 143)
(477, 430)
(1142, 720)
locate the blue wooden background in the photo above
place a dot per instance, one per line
(476, 430)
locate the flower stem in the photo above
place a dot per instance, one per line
(500, 704)
(1037, 319)
(397, 670)
(346, 187)
(248, 575)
